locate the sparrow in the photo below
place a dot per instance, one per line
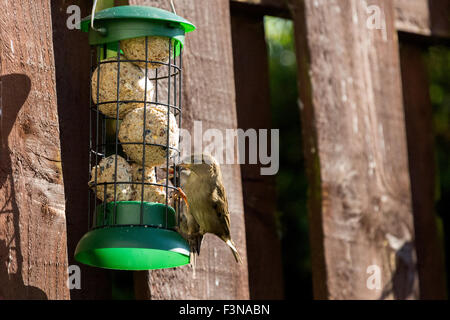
(206, 201)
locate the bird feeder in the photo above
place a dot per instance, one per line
(135, 116)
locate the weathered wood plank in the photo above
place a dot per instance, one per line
(118, 3)
(72, 63)
(355, 147)
(264, 7)
(253, 111)
(420, 17)
(418, 116)
(265, 3)
(423, 17)
(209, 97)
(33, 252)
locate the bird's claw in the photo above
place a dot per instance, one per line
(183, 196)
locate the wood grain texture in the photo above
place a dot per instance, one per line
(355, 147)
(72, 68)
(423, 17)
(419, 120)
(33, 252)
(266, 3)
(420, 17)
(253, 110)
(208, 96)
(262, 7)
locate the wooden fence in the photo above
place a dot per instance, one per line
(364, 96)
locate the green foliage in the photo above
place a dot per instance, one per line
(291, 181)
(438, 61)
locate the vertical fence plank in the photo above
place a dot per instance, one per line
(33, 252)
(208, 97)
(418, 116)
(253, 110)
(355, 146)
(72, 63)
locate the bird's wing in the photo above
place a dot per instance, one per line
(220, 204)
(189, 229)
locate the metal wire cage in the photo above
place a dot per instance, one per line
(127, 229)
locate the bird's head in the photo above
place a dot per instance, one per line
(201, 164)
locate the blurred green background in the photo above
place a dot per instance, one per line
(438, 62)
(292, 216)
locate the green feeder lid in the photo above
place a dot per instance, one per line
(125, 22)
(126, 245)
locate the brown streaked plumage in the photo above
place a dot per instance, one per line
(201, 180)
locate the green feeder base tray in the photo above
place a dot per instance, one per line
(128, 246)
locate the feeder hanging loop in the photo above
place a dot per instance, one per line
(102, 31)
(173, 7)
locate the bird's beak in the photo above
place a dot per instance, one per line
(184, 165)
(172, 169)
(171, 172)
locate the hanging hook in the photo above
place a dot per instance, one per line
(93, 15)
(101, 30)
(173, 7)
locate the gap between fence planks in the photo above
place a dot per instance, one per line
(419, 121)
(251, 72)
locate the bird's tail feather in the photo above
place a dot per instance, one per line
(195, 244)
(193, 258)
(236, 254)
(198, 244)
